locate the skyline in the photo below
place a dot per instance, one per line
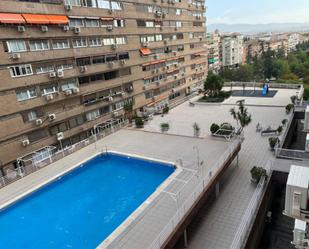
(274, 11)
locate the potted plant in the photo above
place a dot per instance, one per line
(164, 127)
(279, 129)
(214, 128)
(166, 109)
(284, 122)
(289, 108)
(272, 142)
(139, 122)
(257, 173)
(196, 130)
(293, 99)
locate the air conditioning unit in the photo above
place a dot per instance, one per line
(145, 44)
(60, 136)
(122, 62)
(115, 114)
(77, 30)
(52, 74)
(114, 46)
(68, 7)
(60, 73)
(68, 92)
(109, 27)
(44, 28)
(25, 142)
(75, 90)
(21, 29)
(110, 64)
(39, 121)
(130, 89)
(52, 117)
(66, 28)
(158, 13)
(15, 56)
(82, 69)
(49, 97)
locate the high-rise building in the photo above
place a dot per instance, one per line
(69, 65)
(232, 50)
(214, 46)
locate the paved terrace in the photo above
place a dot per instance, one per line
(141, 232)
(216, 227)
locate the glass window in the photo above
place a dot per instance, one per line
(124, 56)
(108, 41)
(20, 70)
(121, 40)
(76, 22)
(69, 84)
(73, 2)
(92, 23)
(44, 69)
(50, 89)
(116, 5)
(103, 4)
(16, 46)
(92, 115)
(95, 42)
(26, 94)
(39, 45)
(80, 43)
(60, 44)
(32, 115)
(119, 23)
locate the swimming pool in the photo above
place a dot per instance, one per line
(85, 206)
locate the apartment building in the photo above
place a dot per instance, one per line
(232, 50)
(69, 65)
(214, 47)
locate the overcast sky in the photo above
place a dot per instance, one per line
(257, 11)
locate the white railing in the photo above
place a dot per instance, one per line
(33, 163)
(258, 84)
(184, 208)
(247, 220)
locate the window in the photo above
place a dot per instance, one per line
(116, 5)
(89, 3)
(79, 120)
(60, 44)
(98, 59)
(32, 115)
(37, 135)
(26, 94)
(76, 22)
(124, 56)
(95, 42)
(16, 46)
(103, 4)
(108, 41)
(73, 2)
(50, 89)
(39, 45)
(44, 69)
(80, 43)
(92, 115)
(83, 61)
(121, 40)
(149, 24)
(92, 23)
(20, 70)
(118, 23)
(69, 84)
(112, 57)
(64, 66)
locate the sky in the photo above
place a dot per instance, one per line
(257, 11)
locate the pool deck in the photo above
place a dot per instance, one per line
(217, 226)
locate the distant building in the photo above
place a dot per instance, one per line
(293, 41)
(214, 51)
(232, 50)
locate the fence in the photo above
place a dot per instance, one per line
(185, 207)
(48, 155)
(247, 220)
(256, 84)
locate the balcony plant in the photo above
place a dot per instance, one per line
(196, 130)
(289, 108)
(284, 122)
(214, 128)
(257, 173)
(164, 127)
(272, 142)
(166, 109)
(139, 123)
(279, 129)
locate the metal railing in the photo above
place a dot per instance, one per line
(38, 161)
(188, 203)
(257, 84)
(247, 220)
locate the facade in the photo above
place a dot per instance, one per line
(214, 47)
(293, 41)
(232, 50)
(68, 66)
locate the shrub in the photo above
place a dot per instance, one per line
(214, 128)
(293, 99)
(226, 126)
(257, 173)
(166, 109)
(284, 122)
(139, 122)
(280, 129)
(165, 127)
(272, 142)
(289, 108)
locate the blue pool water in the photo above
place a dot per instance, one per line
(84, 207)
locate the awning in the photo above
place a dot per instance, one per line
(92, 17)
(36, 19)
(145, 51)
(58, 19)
(11, 18)
(107, 18)
(153, 62)
(77, 17)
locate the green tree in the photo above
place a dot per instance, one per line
(213, 84)
(242, 117)
(244, 73)
(280, 68)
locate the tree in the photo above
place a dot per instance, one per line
(280, 68)
(213, 84)
(242, 117)
(128, 108)
(244, 73)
